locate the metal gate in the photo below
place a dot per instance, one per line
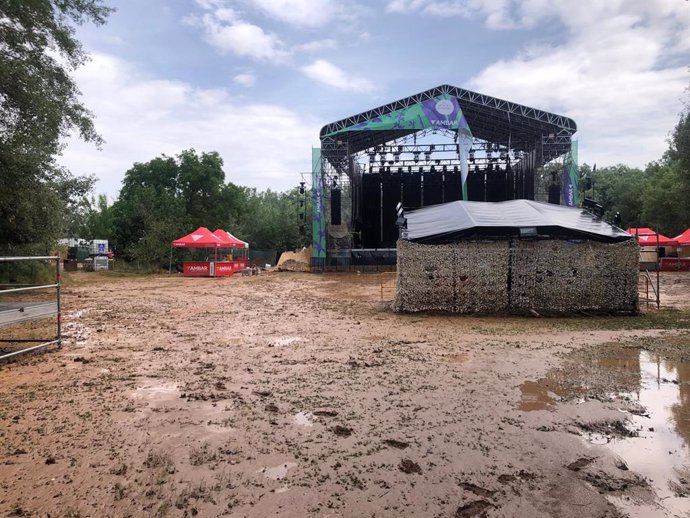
(15, 312)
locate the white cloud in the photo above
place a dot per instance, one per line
(307, 13)
(140, 118)
(328, 73)
(611, 75)
(247, 79)
(317, 46)
(243, 39)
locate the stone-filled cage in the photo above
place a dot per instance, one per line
(470, 267)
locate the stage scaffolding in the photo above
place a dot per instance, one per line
(367, 167)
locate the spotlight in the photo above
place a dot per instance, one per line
(416, 156)
(471, 155)
(301, 187)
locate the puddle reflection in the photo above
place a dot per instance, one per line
(661, 451)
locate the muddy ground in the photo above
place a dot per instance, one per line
(290, 394)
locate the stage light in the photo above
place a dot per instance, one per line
(400, 170)
(445, 169)
(301, 187)
(409, 168)
(471, 155)
(476, 169)
(455, 169)
(416, 156)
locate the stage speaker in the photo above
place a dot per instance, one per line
(555, 194)
(335, 207)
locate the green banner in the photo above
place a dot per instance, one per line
(441, 112)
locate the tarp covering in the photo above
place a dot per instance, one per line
(647, 237)
(461, 219)
(229, 240)
(684, 238)
(200, 238)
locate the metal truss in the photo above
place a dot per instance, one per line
(563, 126)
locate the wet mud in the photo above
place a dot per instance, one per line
(304, 395)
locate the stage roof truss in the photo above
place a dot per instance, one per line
(490, 119)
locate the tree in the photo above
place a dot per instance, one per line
(618, 188)
(39, 105)
(168, 196)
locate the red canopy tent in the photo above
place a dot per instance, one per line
(229, 240)
(684, 238)
(647, 237)
(204, 238)
(200, 238)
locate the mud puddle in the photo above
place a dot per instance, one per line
(661, 450)
(653, 395)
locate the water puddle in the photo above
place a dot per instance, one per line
(544, 394)
(303, 419)
(282, 341)
(661, 451)
(163, 392)
(278, 472)
(655, 394)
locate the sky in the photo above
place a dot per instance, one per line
(255, 80)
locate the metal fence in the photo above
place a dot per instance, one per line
(17, 312)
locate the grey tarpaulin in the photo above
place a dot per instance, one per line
(462, 219)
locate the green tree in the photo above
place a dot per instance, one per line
(169, 196)
(98, 219)
(618, 188)
(272, 220)
(39, 105)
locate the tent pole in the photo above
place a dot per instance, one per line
(170, 265)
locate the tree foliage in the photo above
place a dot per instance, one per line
(658, 196)
(39, 105)
(168, 197)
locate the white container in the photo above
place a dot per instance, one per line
(98, 247)
(100, 263)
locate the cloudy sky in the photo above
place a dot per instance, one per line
(256, 79)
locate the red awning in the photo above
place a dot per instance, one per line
(200, 238)
(229, 240)
(647, 237)
(684, 238)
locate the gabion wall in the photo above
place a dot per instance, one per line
(501, 276)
